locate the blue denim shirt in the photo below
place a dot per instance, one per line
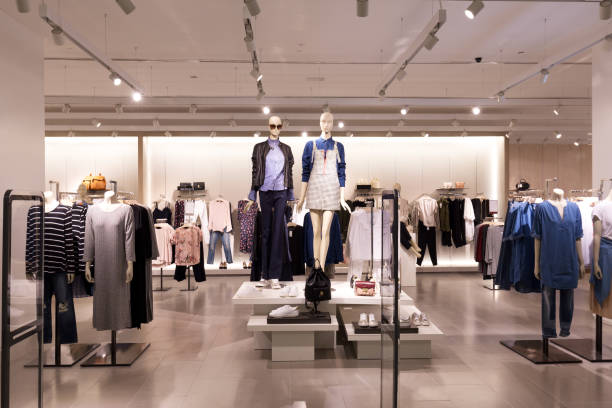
(323, 144)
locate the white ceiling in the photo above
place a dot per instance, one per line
(319, 48)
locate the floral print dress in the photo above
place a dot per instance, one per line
(246, 217)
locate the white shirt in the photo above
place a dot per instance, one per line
(468, 216)
(603, 211)
(360, 234)
(195, 210)
(428, 211)
(586, 209)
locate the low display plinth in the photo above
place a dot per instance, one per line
(539, 352)
(303, 318)
(586, 348)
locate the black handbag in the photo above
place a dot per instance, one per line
(318, 286)
(184, 186)
(199, 186)
(522, 185)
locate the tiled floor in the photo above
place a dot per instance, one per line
(202, 356)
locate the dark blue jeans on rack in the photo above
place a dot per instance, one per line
(549, 306)
(225, 241)
(55, 284)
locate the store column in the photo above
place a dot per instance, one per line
(602, 106)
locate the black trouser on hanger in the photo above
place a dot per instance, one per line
(549, 306)
(199, 272)
(446, 239)
(427, 239)
(55, 284)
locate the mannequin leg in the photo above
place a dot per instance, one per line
(566, 311)
(328, 216)
(315, 216)
(549, 306)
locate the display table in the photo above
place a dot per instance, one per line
(265, 300)
(367, 346)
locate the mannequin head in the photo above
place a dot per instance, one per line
(49, 197)
(398, 187)
(276, 122)
(109, 197)
(327, 122)
(82, 191)
(557, 194)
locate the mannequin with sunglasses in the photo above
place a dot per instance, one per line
(272, 177)
(323, 180)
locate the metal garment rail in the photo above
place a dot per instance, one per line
(35, 327)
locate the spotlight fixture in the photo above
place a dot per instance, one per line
(511, 124)
(58, 36)
(545, 74)
(325, 108)
(213, 134)
(404, 110)
(286, 124)
(425, 134)
(401, 74)
(382, 93)
(401, 123)
(304, 134)
(167, 133)
(23, 6)
(430, 41)
(576, 143)
(558, 135)
(255, 72)
(464, 133)
(118, 108)
(341, 125)
(352, 134)
(253, 7)
(266, 110)
(193, 108)
(260, 95)
(389, 134)
(114, 133)
(605, 9)
(256, 134)
(250, 44)
(136, 96)
(96, 123)
(71, 134)
(476, 110)
(232, 123)
(473, 9)
(66, 108)
(126, 5)
(556, 111)
(500, 96)
(455, 123)
(362, 8)
(349, 134)
(155, 123)
(115, 78)
(508, 135)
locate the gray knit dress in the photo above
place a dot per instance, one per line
(109, 244)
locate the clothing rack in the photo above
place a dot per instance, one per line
(161, 282)
(189, 288)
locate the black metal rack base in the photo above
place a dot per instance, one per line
(116, 354)
(540, 352)
(69, 355)
(189, 287)
(593, 351)
(161, 282)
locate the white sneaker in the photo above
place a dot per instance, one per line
(363, 320)
(285, 311)
(275, 284)
(285, 292)
(372, 321)
(261, 284)
(294, 291)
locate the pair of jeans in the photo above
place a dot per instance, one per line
(273, 233)
(55, 284)
(549, 306)
(224, 237)
(199, 273)
(427, 239)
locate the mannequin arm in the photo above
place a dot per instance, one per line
(129, 272)
(88, 276)
(580, 258)
(300, 203)
(69, 278)
(596, 247)
(536, 271)
(343, 202)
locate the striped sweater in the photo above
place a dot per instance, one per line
(59, 253)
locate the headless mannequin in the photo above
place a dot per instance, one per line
(51, 204)
(414, 248)
(597, 229)
(322, 219)
(559, 203)
(109, 204)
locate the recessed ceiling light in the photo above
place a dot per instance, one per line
(304, 134)
(558, 135)
(136, 96)
(115, 78)
(576, 143)
(476, 110)
(341, 125)
(96, 123)
(404, 110)
(556, 111)
(266, 110)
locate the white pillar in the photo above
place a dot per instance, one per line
(602, 112)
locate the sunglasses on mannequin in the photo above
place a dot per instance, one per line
(279, 127)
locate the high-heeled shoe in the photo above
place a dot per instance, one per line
(244, 265)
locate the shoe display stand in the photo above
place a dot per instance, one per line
(367, 345)
(297, 342)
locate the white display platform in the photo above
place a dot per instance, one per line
(234, 269)
(289, 342)
(343, 294)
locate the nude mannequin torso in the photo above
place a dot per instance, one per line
(110, 204)
(597, 232)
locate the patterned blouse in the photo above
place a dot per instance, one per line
(187, 241)
(246, 218)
